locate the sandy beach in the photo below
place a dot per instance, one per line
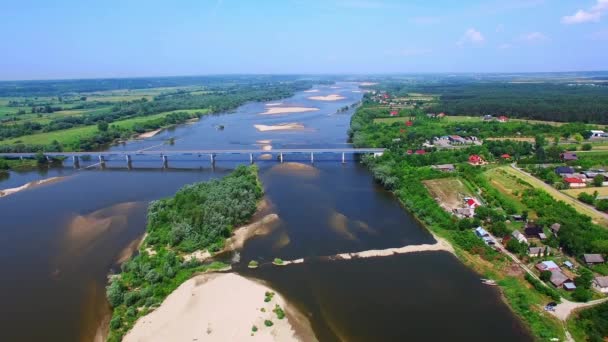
(29, 185)
(274, 104)
(220, 307)
(332, 97)
(311, 91)
(148, 134)
(280, 127)
(288, 110)
(367, 84)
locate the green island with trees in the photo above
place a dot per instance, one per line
(200, 216)
(409, 161)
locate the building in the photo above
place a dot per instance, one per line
(555, 228)
(441, 115)
(503, 118)
(475, 160)
(457, 139)
(593, 259)
(569, 264)
(420, 152)
(394, 113)
(538, 251)
(563, 170)
(597, 134)
(547, 266)
(517, 235)
(569, 286)
(574, 182)
(568, 156)
(479, 231)
(505, 156)
(601, 284)
(471, 202)
(558, 279)
(533, 231)
(488, 118)
(444, 167)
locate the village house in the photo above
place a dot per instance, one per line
(505, 156)
(568, 156)
(532, 231)
(457, 140)
(475, 160)
(503, 118)
(394, 113)
(444, 167)
(555, 228)
(517, 235)
(593, 259)
(574, 182)
(441, 115)
(597, 134)
(536, 252)
(563, 170)
(547, 266)
(601, 284)
(431, 115)
(487, 118)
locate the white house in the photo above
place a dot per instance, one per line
(517, 235)
(597, 134)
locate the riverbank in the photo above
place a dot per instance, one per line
(219, 307)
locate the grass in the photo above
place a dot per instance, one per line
(508, 184)
(73, 135)
(551, 123)
(559, 196)
(449, 192)
(602, 191)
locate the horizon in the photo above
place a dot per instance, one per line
(72, 40)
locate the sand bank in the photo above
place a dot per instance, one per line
(219, 307)
(288, 110)
(367, 84)
(311, 91)
(149, 134)
(29, 185)
(261, 227)
(332, 97)
(274, 104)
(290, 126)
(298, 169)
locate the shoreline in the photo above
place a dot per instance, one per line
(150, 134)
(32, 184)
(288, 110)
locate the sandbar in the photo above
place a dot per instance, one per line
(332, 97)
(288, 110)
(291, 126)
(149, 134)
(29, 185)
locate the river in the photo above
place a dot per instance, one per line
(58, 242)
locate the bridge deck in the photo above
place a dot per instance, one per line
(193, 152)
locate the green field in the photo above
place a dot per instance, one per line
(72, 135)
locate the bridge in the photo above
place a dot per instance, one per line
(164, 155)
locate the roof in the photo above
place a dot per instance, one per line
(420, 152)
(535, 250)
(480, 231)
(533, 231)
(569, 264)
(474, 157)
(444, 166)
(601, 281)
(558, 278)
(569, 156)
(516, 234)
(569, 286)
(505, 156)
(593, 258)
(564, 169)
(555, 227)
(547, 265)
(596, 131)
(574, 180)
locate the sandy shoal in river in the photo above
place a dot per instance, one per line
(218, 307)
(29, 185)
(149, 134)
(332, 97)
(290, 126)
(288, 110)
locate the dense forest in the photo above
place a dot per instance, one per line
(540, 101)
(199, 217)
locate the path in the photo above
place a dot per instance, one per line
(565, 308)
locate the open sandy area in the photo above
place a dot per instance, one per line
(367, 84)
(311, 91)
(149, 134)
(290, 126)
(332, 97)
(288, 110)
(220, 307)
(274, 104)
(29, 185)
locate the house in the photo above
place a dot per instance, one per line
(394, 113)
(561, 170)
(517, 218)
(503, 118)
(601, 284)
(441, 115)
(597, 134)
(593, 259)
(420, 152)
(568, 156)
(569, 286)
(444, 167)
(505, 156)
(558, 278)
(471, 202)
(533, 231)
(409, 123)
(410, 152)
(517, 235)
(481, 232)
(431, 115)
(574, 182)
(475, 160)
(555, 228)
(457, 139)
(464, 212)
(538, 251)
(488, 118)
(547, 266)
(569, 264)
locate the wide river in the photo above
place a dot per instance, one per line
(59, 241)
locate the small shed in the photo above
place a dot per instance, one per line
(444, 167)
(569, 286)
(593, 259)
(601, 284)
(555, 228)
(517, 235)
(568, 156)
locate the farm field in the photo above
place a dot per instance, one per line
(508, 184)
(601, 191)
(448, 192)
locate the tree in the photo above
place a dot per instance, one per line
(598, 180)
(545, 275)
(586, 198)
(602, 205)
(578, 138)
(584, 279)
(115, 294)
(587, 147)
(102, 126)
(581, 294)
(516, 247)
(499, 228)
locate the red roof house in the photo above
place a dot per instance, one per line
(505, 156)
(503, 118)
(409, 152)
(409, 123)
(440, 115)
(472, 203)
(394, 113)
(420, 152)
(475, 159)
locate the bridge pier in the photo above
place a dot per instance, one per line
(250, 158)
(129, 161)
(102, 161)
(76, 162)
(212, 156)
(343, 158)
(281, 157)
(165, 161)
(312, 158)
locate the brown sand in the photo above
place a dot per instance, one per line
(292, 126)
(149, 134)
(332, 97)
(29, 185)
(288, 110)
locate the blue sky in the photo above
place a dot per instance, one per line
(121, 38)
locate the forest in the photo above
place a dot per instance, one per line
(535, 100)
(199, 217)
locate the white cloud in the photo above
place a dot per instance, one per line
(587, 16)
(533, 37)
(471, 36)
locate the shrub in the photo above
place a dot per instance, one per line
(279, 312)
(253, 264)
(278, 261)
(254, 328)
(268, 323)
(545, 275)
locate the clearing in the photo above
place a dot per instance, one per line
(448, 192)
(601, 191)
(507, 183)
